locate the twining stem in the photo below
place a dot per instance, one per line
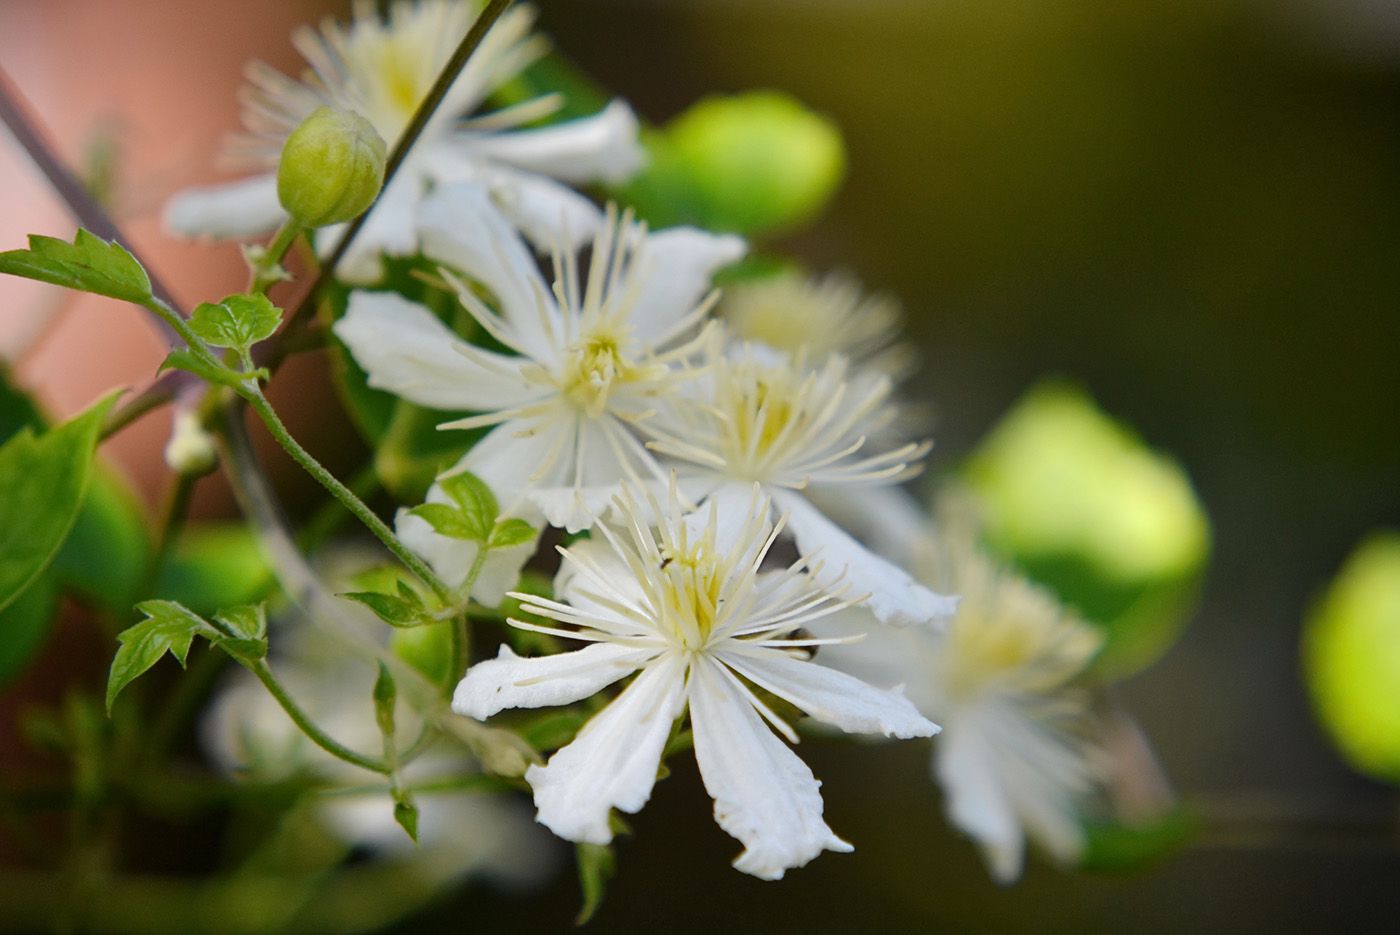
(308, 727)
(426, 108)
(268, 268)
(254, 395)
(461, 622)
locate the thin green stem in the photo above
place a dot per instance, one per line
(308, 727)
(256, 399)
(268, 268)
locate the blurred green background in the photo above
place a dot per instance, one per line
(1192, 209)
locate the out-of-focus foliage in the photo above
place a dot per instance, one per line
(213, 566)
(752, 163)
(1351, 655)
(1079, 502)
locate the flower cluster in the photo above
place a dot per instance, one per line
(685, 442)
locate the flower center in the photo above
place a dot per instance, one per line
(763, 410)
(691, 599)
(594, 367)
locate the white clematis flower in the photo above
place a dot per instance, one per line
(687, 609)
(589, 361)
(382, 69)
(765, 417)
(818, 316)
(1014, 759)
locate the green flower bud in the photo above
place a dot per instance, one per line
(1083, 506)
(1351, 657)
(332, 168)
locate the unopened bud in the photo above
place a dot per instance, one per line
(332, 168)
(190, 450)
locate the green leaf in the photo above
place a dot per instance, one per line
(449, 521)
(238, 322)
(394, 611)
(511, 532)
(247, 622)
(24, 625)
(386, 697)
(42, 484)
(168, 627)
(406, 814)
(107, 555)
(596, 866)
(89, 264)
(182, 358)
(475, 499)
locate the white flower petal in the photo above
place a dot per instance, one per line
(407, 350)
(548, 213)
(517, 455)
(600, 148)
(677, 265)
(830, 696)
(612, 762)
(462, 227)
(841, 561)
(764, 794)
(510, 681)
(890, 518)
(391, 229)
(977, 800)
(239, 209)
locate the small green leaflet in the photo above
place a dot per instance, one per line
(88, 264)
(511, 532)
(43, 480)
(238, 321)
(168, 627)
(182, 358)
(472, 515)
(475, 500)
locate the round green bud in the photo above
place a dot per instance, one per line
(332, 168)
(749, 163)
(1084, 507)
(1351, 658)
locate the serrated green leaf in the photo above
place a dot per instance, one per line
(238, 321)
(182, 358)
(248, 621)
(43, 481)
(596, 866)
(168, 627)
(240, 649)
(511, 532)
(89, 264)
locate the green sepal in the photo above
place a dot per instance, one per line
(596, 866)
(88, 264)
